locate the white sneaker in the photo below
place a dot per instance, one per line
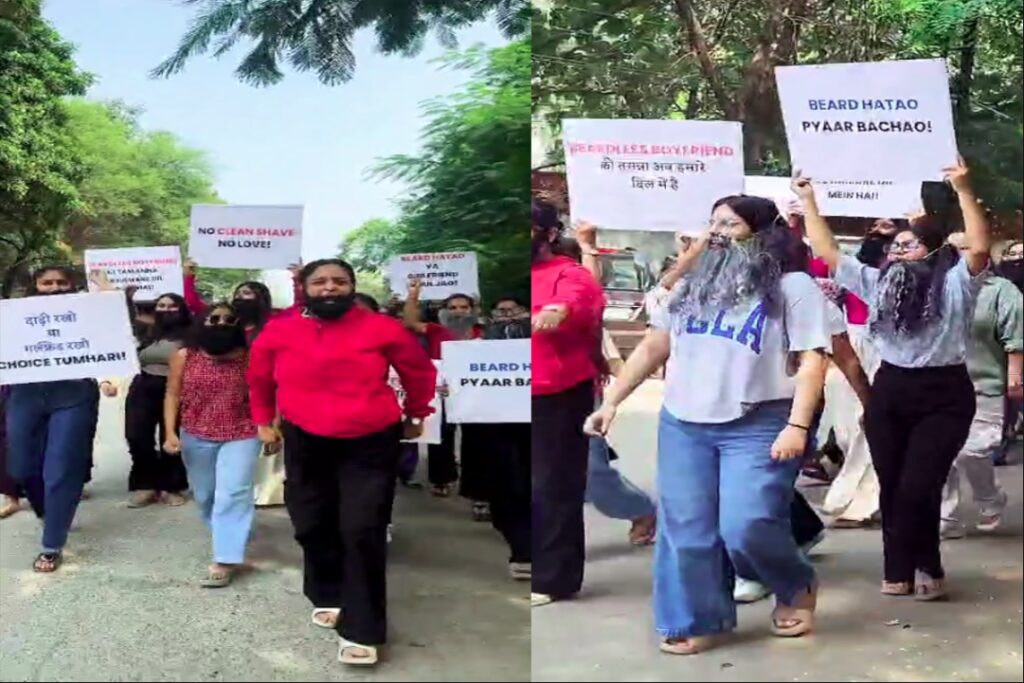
(748, 591)
(951, 530)
(520, 571)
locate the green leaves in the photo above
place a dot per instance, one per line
(316, 35)
(469, 187)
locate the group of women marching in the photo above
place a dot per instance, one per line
(914, 329)
(220, 384)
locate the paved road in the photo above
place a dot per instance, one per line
(125, 606)
(608, 634)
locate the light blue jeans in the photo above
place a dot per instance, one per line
(721, 493)
(221, 474)
(609, 491)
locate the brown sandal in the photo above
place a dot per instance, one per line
(801, 622)
(927, 589)
(897, 589)
(47, 563)
(687, 646)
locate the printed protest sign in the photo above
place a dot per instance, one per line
(154, 270)
(659, 176)
(864, 199)
(488, 381)
(432, 425)
(871, 121)
(231, 236)
(67, 336)
(442, 274)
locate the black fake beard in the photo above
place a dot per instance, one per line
(249, 310)
(872, 249)
(330, 307)
(168, 322)
(515, 328)
(1012, 271)
(218, 340)
(908, 297)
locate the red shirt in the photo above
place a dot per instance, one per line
(856, 310)
(438, 334)
(215, 398)
(566, 356)
(330, 377)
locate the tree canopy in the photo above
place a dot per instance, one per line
(469, 186)
(715, 59)
(316, 35)
(39, 170)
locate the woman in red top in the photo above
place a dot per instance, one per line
(460, 322)
(567, 307)
(208, 401)
(326, 371)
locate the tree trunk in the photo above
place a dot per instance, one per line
(698, 43)
(965, 76)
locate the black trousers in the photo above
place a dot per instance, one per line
(507, 472)
(152, 469)
(805, 522)
(478, 444)
(916, 423)
(559, 451)
(441, 468)
(339, 494)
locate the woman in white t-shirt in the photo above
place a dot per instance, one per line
(744, 336)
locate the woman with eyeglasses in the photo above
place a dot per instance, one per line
(922, 401)
(207, 421)
(744, 332)
(325, 371)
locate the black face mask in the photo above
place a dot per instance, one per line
(248, 310)
(217, 340)
(1012, 271)
(168, 320)
(330, 307)
(872, 250)
(513, 328)
(56, 292)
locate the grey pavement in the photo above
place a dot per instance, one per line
(126, 607)
(608, 634)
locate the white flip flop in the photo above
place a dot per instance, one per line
(325, 610)
(346, 657)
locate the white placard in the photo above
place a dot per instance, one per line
(869, 121)
(653, 175)
(432, 425)
(894, 200)
(232, 236)
(488, 381)
(442, 274)
(66, 336)
(154, 270)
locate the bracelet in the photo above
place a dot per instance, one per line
(792, 424)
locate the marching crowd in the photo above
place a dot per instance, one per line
(238, 404)
(909, 353)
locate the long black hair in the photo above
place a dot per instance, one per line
(178, 332)
(545, 220)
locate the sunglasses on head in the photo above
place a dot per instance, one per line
(223, 319)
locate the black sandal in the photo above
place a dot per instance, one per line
(43, 560)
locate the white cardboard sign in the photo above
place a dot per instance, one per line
(859, 199)
(233, 236)
(651, 175)
(488, 381)
(442, 274)
(67, 336)
(432, 425)
(870, 121)
(154, 270)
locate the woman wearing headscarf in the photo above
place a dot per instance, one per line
(922, 401)
(744, 332)
(50, 430)
(567, 307)
(324, 371)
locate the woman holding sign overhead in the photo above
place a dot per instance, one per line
(325, 371)
(922, 401)
(50, 429)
